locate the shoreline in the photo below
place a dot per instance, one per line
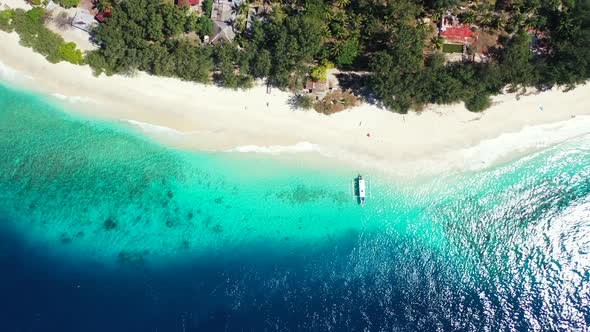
(208, 118)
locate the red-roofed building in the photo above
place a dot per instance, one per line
(455, 32)
(187, 3)
(457, 35)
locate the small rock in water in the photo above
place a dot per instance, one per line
(170, 194)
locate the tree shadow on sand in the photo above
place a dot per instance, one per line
(358, 84)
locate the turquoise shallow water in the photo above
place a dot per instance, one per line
(502, 248)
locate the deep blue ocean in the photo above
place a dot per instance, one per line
(103, 229)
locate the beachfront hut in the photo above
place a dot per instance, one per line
(318, 88)
(83, 21)
(222, 31)
(221, 15)
(51, 6)
(222, 11)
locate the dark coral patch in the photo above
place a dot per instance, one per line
(110, 224)
(218, 200)
(170, 223)
(301, 195)
(170, 194)
(131, 258)
(217, 228)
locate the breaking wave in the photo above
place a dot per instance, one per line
(10, 74)
(156, 129)
(72, 99)
(275, 149)
(530, 138)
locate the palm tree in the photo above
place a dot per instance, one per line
(499, 23)
(243, 8)
(342, 3)
(517, 20)
(327, 15)
(424, 27)
(468, 17)
(336, 49)
(340, 16)
(326, 32)
(240, 9)
(341, 34)
(486, 19)
(437, 16)
(437, 42)
(240, 12)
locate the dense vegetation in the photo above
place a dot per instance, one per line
(389, 42)
(67, 3)
(404, 78)
(386, 38)
(32, 32)
(150, 36)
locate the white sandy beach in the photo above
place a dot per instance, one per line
(195, 116)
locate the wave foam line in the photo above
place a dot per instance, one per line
(72, 99)
(276, 149)
(156, 129)
(530, 137)
(10, 74)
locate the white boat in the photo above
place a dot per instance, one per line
(362, 189)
